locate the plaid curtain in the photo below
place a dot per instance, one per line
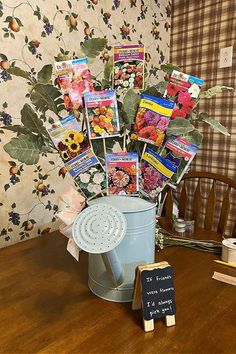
(199, 30)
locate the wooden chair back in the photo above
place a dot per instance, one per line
(203, 208)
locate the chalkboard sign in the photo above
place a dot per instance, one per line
(158, 294)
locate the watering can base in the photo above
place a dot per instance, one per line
(104, 288)
(114, 295)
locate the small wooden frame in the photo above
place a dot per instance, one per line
(149, 296)
(225, 278)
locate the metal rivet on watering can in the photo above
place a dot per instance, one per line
(98, 230)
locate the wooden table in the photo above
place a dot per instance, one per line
(46, 306)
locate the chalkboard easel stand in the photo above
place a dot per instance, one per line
(137, 296)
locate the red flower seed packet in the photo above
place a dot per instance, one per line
(128, 69)
(184, 90)
(75, 80)
(122, 173)
(152, 119)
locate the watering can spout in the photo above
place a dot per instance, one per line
(114, 267)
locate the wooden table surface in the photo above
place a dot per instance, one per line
(46, 306)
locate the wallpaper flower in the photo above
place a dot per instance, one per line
(34, 34)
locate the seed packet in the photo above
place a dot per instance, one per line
(152, 119)
(64, 72)
(102, 114)
(74, 79)
(180, 153)
(184, 90)
(156, 172)
(82, 79)
(128, 70)
(122, 173)
(82, 163)
(92, 180)
(68, 138)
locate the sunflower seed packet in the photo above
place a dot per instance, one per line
(184, 90)
(152, 119)
(155, 173)
(122, 173)
(102, 114)
(128, 68)
(68, 138)
(78, 156)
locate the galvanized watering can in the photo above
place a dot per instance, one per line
(119, 234)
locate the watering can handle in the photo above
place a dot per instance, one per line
(113, 266)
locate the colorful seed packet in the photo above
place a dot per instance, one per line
(82, 79)
(78, 156)
(180, 153)
(74, 80)
(152, 119)
(102, 114)
(82, 163)
(155, 173)
(68, 138)
(128, 69)
(91, 181)
(184, 90)
(122, 173)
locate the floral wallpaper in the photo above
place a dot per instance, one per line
(34, 34)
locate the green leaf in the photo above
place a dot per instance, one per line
(46, 97)
(194, 137)
(45, 74)
(19, 72)
(24, 148)
(31, 121)
(179, 126)
(202, 116)
(194, 115)
(168, 68)
(8, 19)
(215, 90)
(108, 69)
(156, 90)
(12, 163)
(217, 126)
(3, 56)
(130, 106)
(45, 19)
(17, 129)
(19, 21)
(161, 87)
(98, 148)
(6, 187)
(92, 47)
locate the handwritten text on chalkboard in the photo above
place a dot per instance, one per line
(158, 293)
